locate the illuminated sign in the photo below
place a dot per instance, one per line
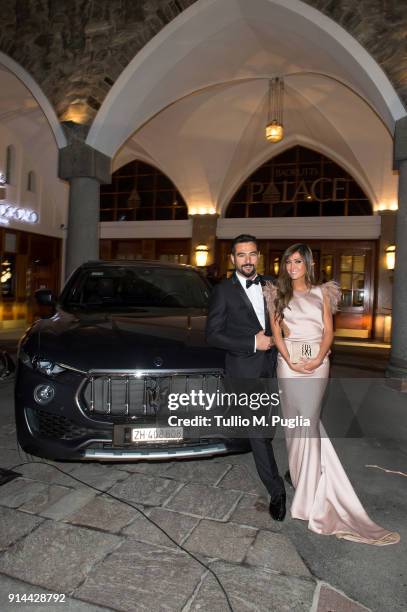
(15, 213)
(321, 189)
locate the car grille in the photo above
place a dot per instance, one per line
(55, 426)
(132, 395)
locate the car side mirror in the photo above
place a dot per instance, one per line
(44, 297)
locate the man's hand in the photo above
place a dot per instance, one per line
(263, 342)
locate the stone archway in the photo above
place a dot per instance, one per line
(299, 181)
(358, 174)
(46, 107)
(77, 51)
(174, 64)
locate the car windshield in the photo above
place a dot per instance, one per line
(137, 287)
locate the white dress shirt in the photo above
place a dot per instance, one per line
(255, 295)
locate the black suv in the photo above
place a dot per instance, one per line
(94, 378)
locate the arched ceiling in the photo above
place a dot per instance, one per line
(22, 115)
(221, 41)
(76, 50)
(24, 125)
(199, 95)
(209, 142)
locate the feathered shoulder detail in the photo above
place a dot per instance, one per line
(270, 294)
(333, 291)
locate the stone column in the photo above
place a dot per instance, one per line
(385, 277)
(85, 168)
(397, 366)
(204, 232)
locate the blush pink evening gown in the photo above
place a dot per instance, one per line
(324, 495)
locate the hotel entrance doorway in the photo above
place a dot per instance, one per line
(350, 263)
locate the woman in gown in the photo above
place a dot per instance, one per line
(301, 319)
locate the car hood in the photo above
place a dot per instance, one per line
(124, 341)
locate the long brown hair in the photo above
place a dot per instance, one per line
(284, 281)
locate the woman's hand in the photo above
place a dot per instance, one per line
(307, 366)
(300, 367)
(312, 364)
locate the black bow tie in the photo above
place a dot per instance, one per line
(256, 281)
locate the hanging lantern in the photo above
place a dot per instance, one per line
(274, 127)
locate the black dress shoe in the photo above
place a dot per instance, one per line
(287, 478)
(277, 507)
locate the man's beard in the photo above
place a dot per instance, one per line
(248, 271)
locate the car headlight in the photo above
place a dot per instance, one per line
(44, 394)
(40, 364)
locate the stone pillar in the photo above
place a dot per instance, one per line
(397, 366)
(204, 232)
(85, 168)
(385, 277)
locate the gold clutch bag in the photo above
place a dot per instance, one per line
(301, 351)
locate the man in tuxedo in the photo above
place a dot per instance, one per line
(238, 322)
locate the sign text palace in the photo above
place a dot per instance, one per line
(302, 187)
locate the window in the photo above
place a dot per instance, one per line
(140, 192)
(352, 280)
(31, 182)
(138, 287)
(11, 165)
(299, 183)
(8, 276)
(10, 242)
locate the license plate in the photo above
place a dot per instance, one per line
(156, 434)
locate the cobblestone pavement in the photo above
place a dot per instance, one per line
(60, 536)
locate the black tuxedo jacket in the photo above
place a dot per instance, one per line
(232, 324)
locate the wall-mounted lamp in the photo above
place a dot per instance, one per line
(201, 255)
(390, 257)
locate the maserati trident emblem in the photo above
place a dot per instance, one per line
(152, 394)
(158, 362)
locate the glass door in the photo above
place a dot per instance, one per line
(353, 280)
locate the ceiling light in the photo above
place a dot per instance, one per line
(274, 127)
